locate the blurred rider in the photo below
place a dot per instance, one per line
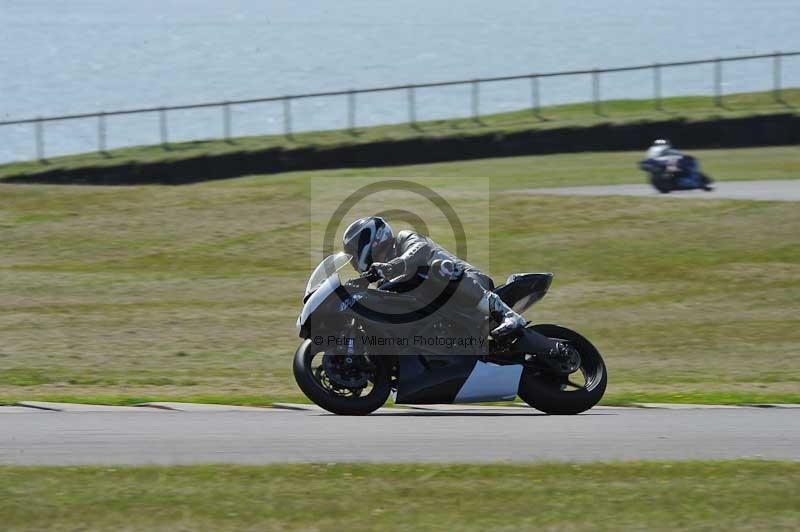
(667, 159)
(661, 148)
(372, 245)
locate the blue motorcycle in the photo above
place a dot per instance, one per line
(675, 172)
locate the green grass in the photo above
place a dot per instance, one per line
(592, 168)
(692, 108)
(735, 495)
(122, 294)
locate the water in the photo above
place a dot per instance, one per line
(91, 55)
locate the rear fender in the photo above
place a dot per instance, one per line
(522, 290)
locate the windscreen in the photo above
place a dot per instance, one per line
(328, 267)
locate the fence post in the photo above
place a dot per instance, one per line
(162, 123)
(718, 82)
(287, 116)
(226, 121)
(657, 86)
(596, 91)
(351, 110)
(476, 111)
(535, 102)
(38, 131)
(412, 105)
(101, 132)
(776, 77)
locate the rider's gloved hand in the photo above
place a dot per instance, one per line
(382, 269)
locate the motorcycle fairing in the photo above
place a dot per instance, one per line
(425, 379)
(447, 379)
(316, 298)
(490, 382)
(522, 290)
(681, 172)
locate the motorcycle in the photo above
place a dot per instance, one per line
(675, 172)
(413, 340)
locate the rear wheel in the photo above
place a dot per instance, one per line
(566, 394)
(707, 182)
(340, 383)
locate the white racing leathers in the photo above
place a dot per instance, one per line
(410, 251)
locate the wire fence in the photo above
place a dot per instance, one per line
(351, 100)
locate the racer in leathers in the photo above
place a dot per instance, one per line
(372, 245)
(663, 158)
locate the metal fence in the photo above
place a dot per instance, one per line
(475, 85)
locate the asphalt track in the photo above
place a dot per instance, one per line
(262, 436)
(774, 190)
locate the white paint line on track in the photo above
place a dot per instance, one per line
(77, 407)
(21, 410)
(43, 406)
(297, 406)
(684, 406)
(314, 408)
(203, 407)
(506, 409)
(468, 408)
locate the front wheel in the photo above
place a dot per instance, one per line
(350, 385)
(566, 394)
(661, 183)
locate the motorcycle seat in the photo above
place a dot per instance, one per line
(521, 290)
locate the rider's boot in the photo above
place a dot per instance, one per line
(491, 305)
(494, 307)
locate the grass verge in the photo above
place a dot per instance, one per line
(184, 293)
(575, 169)
(734, 495)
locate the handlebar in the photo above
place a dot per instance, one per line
(370, 275)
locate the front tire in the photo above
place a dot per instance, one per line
(661, 183)
(317, 387)
(559, 394)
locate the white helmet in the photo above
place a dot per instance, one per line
(362, 237)
(658, 148)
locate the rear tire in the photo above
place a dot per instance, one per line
(551, 393)
(338, 404)
(707, 182)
